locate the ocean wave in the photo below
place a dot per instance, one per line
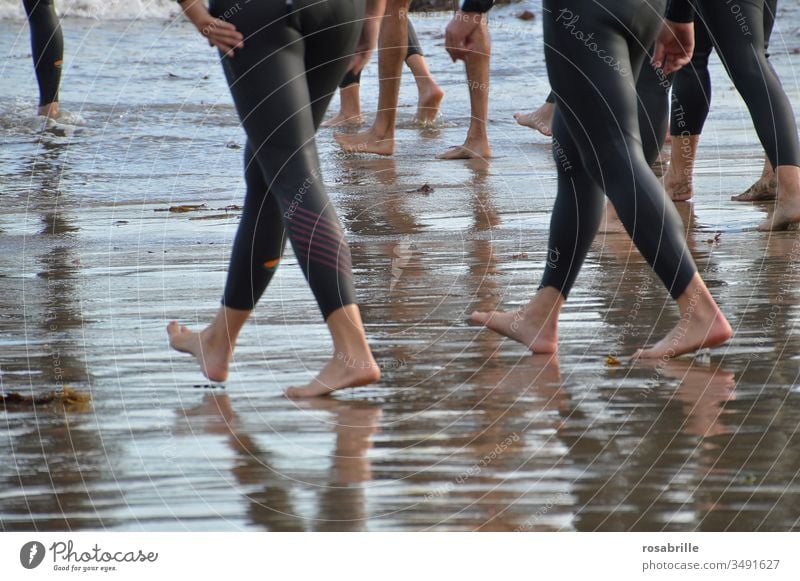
(99, 9)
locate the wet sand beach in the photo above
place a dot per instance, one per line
(116, 224)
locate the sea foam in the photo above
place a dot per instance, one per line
(99, 9)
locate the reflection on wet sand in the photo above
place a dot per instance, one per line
(644, 451)
(42, 315)
(269, 494)
(57, 466)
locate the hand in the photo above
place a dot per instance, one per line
(674, 46)
(219, 33)
(366, 44)
(459, 41)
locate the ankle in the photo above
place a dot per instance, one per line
(355, 358)
(697, 301)
(544, 308)
(477, 135)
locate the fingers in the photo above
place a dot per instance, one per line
(675, 62)
(232, 38)
(359, 61)
(224, 46)
(455, 48)
(223, 35)
(456, 53)
(658, 56)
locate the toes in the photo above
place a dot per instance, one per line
(480, 317)
(754, 197)
(307, 391)
(175, 329)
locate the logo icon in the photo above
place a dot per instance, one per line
(31, 554)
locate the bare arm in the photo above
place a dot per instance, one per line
(675, 46)
(459, 35)
(369, 34)
(219, 33)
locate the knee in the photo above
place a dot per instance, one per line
(750, 71)
(619, 165)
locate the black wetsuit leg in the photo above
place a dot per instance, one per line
(652, 88)
(350, 78)
(47, 47)
(282, 82)
(691, 88)
(594, 52)
(740, 46)
(414, 47)
(770, 10)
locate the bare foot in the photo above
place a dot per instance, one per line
(521, 327)
(340, 372)
(343, 120)
(766, 188)
(611, 224)
(660, 165)
(694, 332)
(541, 120)
(365, 142)
(428, 104)
(478, 150)
(213, 355)
(50, 110)
(679, 188)
(786, 213)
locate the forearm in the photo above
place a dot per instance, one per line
(372, 23)
(374, 9)
(194, 10)
(219, 33)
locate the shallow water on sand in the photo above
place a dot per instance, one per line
(465, 431)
